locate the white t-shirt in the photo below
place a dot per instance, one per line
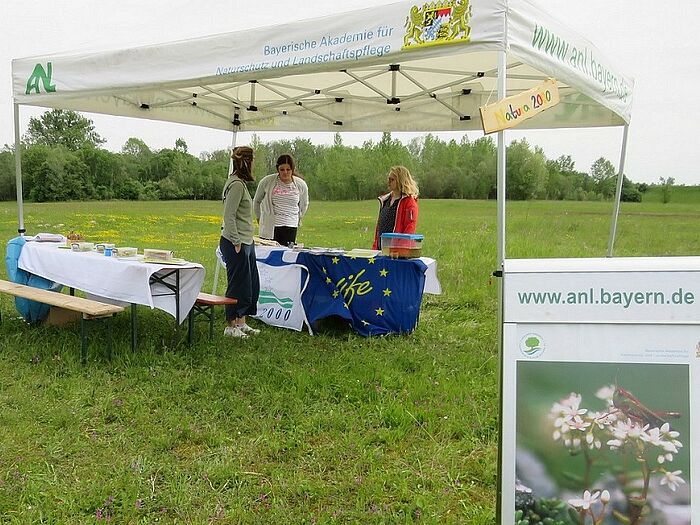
(285, 204)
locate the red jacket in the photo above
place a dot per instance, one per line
(406, 216)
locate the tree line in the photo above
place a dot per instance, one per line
(62, 160)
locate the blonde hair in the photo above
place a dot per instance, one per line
(242, 157)
(404, 182)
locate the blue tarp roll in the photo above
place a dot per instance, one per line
(31, 311)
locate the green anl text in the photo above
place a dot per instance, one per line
(40, 75)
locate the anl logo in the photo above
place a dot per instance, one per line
(532, 345)
(40, 75)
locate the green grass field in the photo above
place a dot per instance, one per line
(284, 427)
(677, 195)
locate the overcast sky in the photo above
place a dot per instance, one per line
(655, 43)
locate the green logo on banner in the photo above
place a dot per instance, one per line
(40, 75)
(532, 345)
(267, 297)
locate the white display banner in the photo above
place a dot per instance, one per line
(599, 412)
(602, 291)
(279, 303)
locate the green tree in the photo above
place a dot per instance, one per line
(565, 164)
(137, 157)
(60, 127)
(59, 175)
(136, 148)
(526, 171)
(630, 191)
(220, 155)
(564, 181)
(8, 189)
(131, 189)
(443, 169)
(305, 155)
(603, 173)
(104, 169)
(168, 189)
(433, 165)
(181, 145)
(484, 170)
(666, 185)
(214, 171)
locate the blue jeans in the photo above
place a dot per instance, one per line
(243, 279)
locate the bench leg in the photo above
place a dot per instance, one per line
(133, 327)
(177, 306)
(84, 332)
(211, 323)
(83, 340)
(205, 310)
(109, 337)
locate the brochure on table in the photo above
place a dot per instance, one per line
(601, 367)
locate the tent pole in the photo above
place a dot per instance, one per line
(18, 174)
(501, 172)
(501, 255)
(618, 191)
(217, 263)
(234, 136)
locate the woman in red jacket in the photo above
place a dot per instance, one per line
(398, 209)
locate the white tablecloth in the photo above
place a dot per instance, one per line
(120, 279)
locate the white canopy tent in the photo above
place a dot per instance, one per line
(398, 67)
(348, 73)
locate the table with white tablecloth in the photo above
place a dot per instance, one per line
(172, 288)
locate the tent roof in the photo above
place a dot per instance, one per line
(397, 67)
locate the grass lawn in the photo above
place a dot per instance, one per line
(677, 194)
(283, 427)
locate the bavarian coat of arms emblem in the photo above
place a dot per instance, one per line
(442, 22)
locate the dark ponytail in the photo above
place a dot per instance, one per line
(242, 157)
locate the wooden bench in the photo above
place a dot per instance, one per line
(204, 305)
(89, 309)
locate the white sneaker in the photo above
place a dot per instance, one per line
(248, 329)
(235, 331)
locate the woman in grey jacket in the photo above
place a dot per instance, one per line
(280, 202)
(237, 246)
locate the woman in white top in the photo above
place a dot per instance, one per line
(280, 202)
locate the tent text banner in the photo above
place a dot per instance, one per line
(511, 111)
(397, 67)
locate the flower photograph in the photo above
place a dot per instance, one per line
(602, 443)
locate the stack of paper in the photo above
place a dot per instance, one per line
(48, 237)
(157, 255)
(363, 253)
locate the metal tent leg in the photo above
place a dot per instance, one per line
(18, 174)
(618, 192)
